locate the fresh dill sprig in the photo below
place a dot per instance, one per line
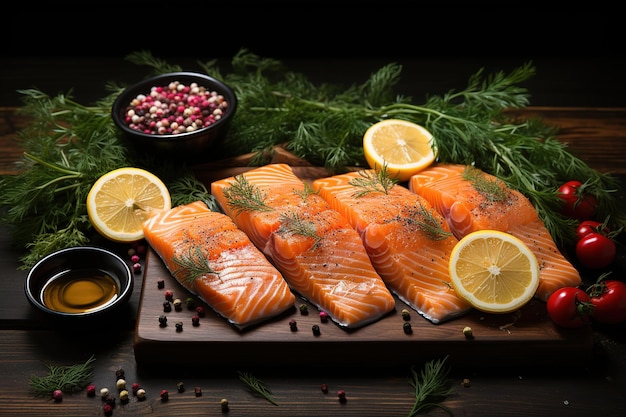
(306, 191)
(256, 386)
(431, 386)
(430, 225)
(242, 196)
(193, 264)
(70, 378)
(159, 66)
(373, 181)
(292, 223)
(491, 189)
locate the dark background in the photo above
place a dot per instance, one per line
(578, 51)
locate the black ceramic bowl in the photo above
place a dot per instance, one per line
(192, 145)
(79, 283)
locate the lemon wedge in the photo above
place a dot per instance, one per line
(405, 148)
(121, 200)
(494, 271)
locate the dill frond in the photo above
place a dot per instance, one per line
(243, 196)
(194, 264)
(491, 189)
(256, 386)
(431, 387)
(370, 181)
(292, 223)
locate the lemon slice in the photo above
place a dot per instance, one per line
(121, 200)
(494, 271)
(404, 147)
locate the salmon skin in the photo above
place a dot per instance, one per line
(408, 241)
(213, 259)
(320, 255)
(467, 200)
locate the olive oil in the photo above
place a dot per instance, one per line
(79, 291)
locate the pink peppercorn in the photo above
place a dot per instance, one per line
(342, 395)
(57, 395)
(165, 395)
(323, 316)
(107, 409)
(91, 390)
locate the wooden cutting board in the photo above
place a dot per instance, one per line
(527, 337)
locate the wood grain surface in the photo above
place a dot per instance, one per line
(528, 336)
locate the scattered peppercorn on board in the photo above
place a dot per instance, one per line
(299, 337)
(528, 336)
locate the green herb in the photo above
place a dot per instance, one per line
(325, 125)
(306, 191)
(431, 386)
(67, 147)
(65, 378)
(292, 223)
(492, 189)
(242, 196)
(429, 223)
(194, 264)
(256, 386)
(370, 181)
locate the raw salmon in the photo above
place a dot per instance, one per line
(408, 242)
(466, 209)
(206, 253)
(320, 255)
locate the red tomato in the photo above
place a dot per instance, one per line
(609, 300)
(590, 226)
(569, 307)
(577, 203)
(595, 251)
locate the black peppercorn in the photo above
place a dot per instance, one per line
(162, 321)
(407, 328)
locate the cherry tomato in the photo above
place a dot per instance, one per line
(595, 251)
(577, 203)
(570, 307)
(609, 300)
(590, 226)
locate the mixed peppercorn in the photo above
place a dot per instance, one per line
(174, 109)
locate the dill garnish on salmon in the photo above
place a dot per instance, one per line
(208, 255)
(320, 255)
(408, 242)
(470, 199)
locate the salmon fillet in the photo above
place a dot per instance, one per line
(213, 259)
(393, 225)
(320, 255)
(466, 209)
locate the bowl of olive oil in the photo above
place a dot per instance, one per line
(79, 282)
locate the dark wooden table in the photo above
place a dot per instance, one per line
(594, 386)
